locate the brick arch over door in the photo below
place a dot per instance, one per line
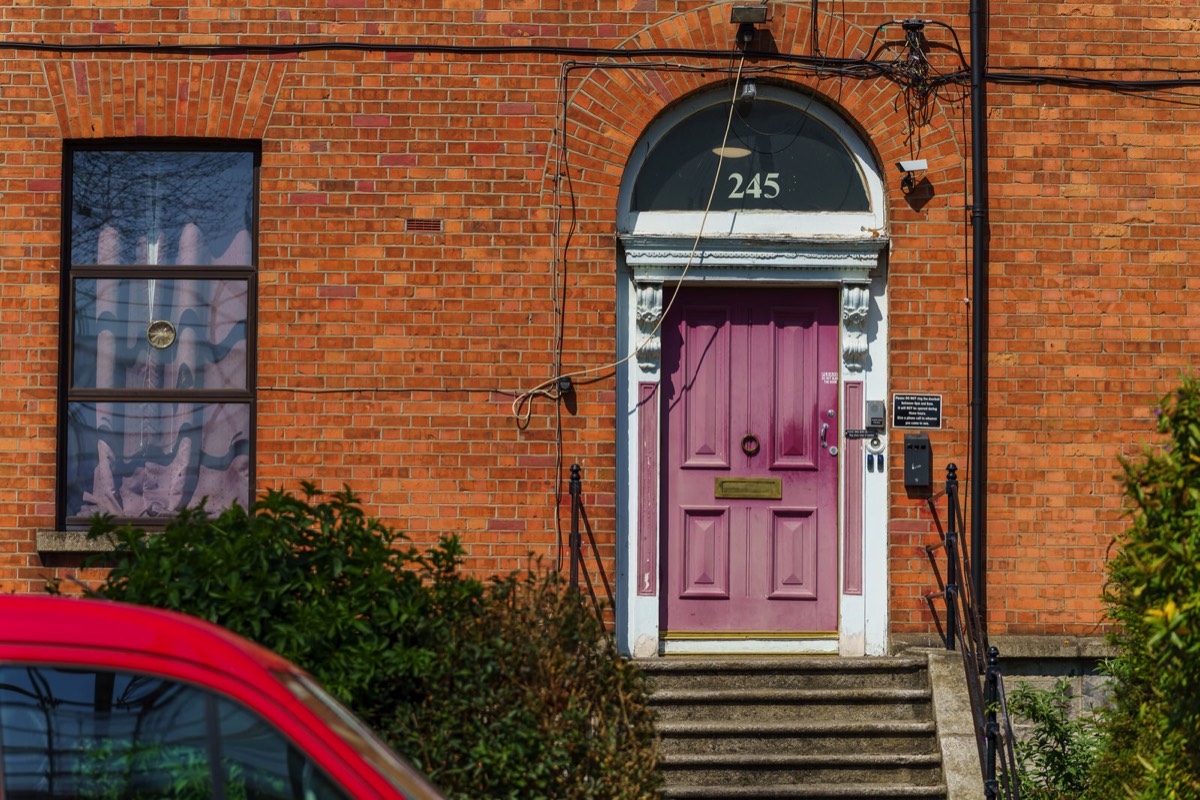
(608, 109)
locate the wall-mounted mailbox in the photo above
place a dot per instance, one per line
(918, 460)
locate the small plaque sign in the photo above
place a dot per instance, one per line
(749, 488)
(866, 433)
(917, 411)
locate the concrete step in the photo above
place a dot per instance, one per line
(796, 672)
(796, 727)
(793, 704)
(805, 791)
(797, 737)
(868, 769)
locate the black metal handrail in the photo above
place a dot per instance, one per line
(963, 631)
(575, 543)
(581, 542)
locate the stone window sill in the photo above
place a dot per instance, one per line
(73, 542)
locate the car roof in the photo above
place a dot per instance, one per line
(106, 624)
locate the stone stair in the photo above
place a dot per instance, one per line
(796, 727)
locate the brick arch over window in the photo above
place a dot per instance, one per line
(213, 99)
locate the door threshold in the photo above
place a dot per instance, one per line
(747, 646)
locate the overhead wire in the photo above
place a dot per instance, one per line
(562, 171)
(522, 399)
(918, 89)
(920, 79)
(551, 388)
(548, 388)
(562, 168)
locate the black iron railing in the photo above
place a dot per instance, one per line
(575, 542)
(581, 543)
(960, 628)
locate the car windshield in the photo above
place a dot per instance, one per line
(90, 733)
(355, 732)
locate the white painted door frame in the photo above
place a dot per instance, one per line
(661, 250)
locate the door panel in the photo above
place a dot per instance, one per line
(706, 552)
(795, 392)
(706, 418)
(749, 485)
(794, 555)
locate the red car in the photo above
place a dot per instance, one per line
(106, 701)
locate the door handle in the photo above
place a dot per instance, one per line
(824, 430)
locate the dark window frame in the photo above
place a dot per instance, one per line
(71, 272)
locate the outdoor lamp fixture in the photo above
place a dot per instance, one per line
(911, 171)
(746, 17)
(741, 104)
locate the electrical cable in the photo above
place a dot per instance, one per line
(1039, 78)
(337, 45)
(782, 63)
(921, 83)
(814, 33)
(859, 67)
(524, 400)
(562, 170)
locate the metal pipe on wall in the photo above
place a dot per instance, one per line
(979, 312)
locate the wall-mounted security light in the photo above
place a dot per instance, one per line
(746, 17)
(911, 170)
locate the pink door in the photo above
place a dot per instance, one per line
(750, 488)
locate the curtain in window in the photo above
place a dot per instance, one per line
(159, 357)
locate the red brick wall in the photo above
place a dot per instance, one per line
(1094, 226)
(388, 358)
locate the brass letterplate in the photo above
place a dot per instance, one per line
(749, 488)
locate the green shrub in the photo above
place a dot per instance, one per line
(1056, 754)
(507, 689)
(317, 582)
(1153, 594)
(531, 700)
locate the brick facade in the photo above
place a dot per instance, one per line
(420, 235)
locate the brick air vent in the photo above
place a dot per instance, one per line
(423, 225)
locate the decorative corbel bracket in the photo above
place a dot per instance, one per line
(649, 339)
(856, 305)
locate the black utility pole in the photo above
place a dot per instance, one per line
(979, 309)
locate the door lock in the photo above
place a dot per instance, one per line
(833, 451)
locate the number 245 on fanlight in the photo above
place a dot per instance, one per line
(759, 185)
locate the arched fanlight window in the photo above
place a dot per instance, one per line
(777, 158)
(790, 166)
